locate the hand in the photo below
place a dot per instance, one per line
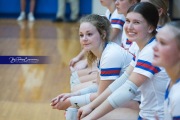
(84, 111)
(60, 98)
(82, 64)
(62, 105)
(73, 61)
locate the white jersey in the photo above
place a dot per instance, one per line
(132, 47)
(117, 21)
(153, 89)
(126, 43)
(172, 102)
(114, 60)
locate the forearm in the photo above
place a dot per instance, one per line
(81, 54)
(121, 80)
(115, 32)
(100, 111)
(119, 97)
(91, 89)
(118, 82)
(96, 102)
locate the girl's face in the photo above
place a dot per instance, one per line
(122, 6)
(166, 52)
(136, 27)
(89, 37)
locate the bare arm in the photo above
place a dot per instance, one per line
(63, 101)
(101, 97)
(77, 58)
(106, 107)
(85, 110)
(103, 84)
(114, 33)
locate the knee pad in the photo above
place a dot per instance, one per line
(138, 96)
(79, 101)
(91, 89)
(123, 94)
(74, 79)
(118, 82)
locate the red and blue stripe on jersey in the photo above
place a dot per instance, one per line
(110, 72)
(118, 21)
(128, 42)
(147, 66)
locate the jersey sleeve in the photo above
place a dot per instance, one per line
(144, 63)
(111, 63)
(117, 20)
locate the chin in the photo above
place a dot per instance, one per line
(155, 62)
(86, 49)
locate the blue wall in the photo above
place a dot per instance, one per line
(44, 8)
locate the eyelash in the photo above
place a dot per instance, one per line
(135, 22)
(161, 42)
(88, 34)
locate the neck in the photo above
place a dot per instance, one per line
(111, 8)
(98, 52)
(142, 43)
(174, 73)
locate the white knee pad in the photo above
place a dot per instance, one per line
(91, 89)
(123, 94)
(118, 82)
(138, 96)
(74, 79)
(74, 74)
(71, 114)
(79, 101)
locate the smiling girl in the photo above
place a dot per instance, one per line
(112, 60)
(140, 27)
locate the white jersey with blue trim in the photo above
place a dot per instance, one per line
(172, 102)
(132, 47)
(113, 62)
(126, 43)
(117, 21)
(153, 89)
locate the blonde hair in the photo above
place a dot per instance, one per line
(164, 5)
(102, 25)
(176, 30)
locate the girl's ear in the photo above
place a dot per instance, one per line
(151, 29)
(103, 36)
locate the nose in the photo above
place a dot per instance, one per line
(155, 48)
(84, 38)
(130, 25)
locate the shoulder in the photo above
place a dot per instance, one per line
(114, 50)
(116, 15)
(147, 52)
(112, 46)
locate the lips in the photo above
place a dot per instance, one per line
(85, 44)
(155, 56)
(131, 34)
